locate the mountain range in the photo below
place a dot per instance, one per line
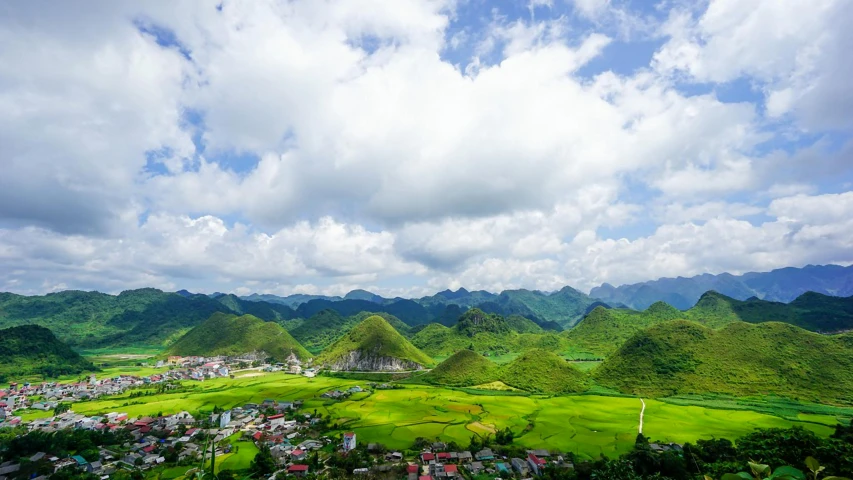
(781, 285)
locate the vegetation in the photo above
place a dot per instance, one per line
(33, 350)
(226, 334)
(485, 333)
(374, 338)
(541, 371)
(602, 331)
(90, 319)
(321, 330)
(681, 357)
(464, 368)
(811, 311)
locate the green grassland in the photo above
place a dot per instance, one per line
(589, 425)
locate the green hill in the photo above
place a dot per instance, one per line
(811, 311)
(541, 371)
(464, 368)
(34, 350)
(484, 333)
(91, 319)
(602, 331)
(682, 357)
(373, 345)
(322, 329)
(227, 334)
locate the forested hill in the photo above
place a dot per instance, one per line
(226, 334)
(33, 350)
(682, 357)
(604, 330)
(781, 285)
(90, 319)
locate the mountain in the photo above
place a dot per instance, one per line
(741, 359)
(460, 297)
(603, 330)
(326, 326)
(373, 345)
(91, 319)
(270, 312)
(364, 295)
(408, 311)
(541, 371)
(484, 333)
(781, 285)
(811, 311)
(291, 301)
(464, 368)
(228, 334)
(34, 350)
(565, 307)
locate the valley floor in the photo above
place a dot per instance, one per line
(589, 425)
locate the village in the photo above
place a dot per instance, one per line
(47, 396)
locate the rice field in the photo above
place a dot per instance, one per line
(589, 425)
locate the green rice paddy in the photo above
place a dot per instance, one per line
(589, 425)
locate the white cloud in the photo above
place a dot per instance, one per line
(793, 49)
(383, 165)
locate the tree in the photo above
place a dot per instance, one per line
(61, 408)
(263, 464)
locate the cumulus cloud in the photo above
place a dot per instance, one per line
(370, 159)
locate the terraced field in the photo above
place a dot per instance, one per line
(589, 425)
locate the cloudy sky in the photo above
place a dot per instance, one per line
(407, 146)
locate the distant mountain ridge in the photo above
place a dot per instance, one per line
(780, 285)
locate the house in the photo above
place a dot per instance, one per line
(298, 455)
(295, 369)
(536, 464)
(394, 457)
(502, 467)
(297, 470)
(428, 458)
(541, 453)
(436, 470)
(485, 454)
(442, 456)
(451, 470)
(520, 466)
(424, 477)
(475, 467)
(82, 463)
(349, 441)
(465, 457)
(276, 420)
(360, 471)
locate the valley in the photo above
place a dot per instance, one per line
(458, 368)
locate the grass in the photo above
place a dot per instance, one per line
(589, 425)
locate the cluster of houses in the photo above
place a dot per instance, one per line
(185, 436)
(437, 463)
(50, 394)
(341, 394)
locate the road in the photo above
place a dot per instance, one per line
(642, 411)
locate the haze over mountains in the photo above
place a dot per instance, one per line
(781, 285)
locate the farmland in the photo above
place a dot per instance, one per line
(589, 425)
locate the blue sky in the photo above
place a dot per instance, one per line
(411, 146)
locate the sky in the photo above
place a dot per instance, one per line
(408, 146)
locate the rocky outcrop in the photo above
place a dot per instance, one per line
(358, 361)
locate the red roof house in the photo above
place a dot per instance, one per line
(427, 457)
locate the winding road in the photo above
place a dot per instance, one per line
(642, 411)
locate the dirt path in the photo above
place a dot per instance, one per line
(642, 411)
